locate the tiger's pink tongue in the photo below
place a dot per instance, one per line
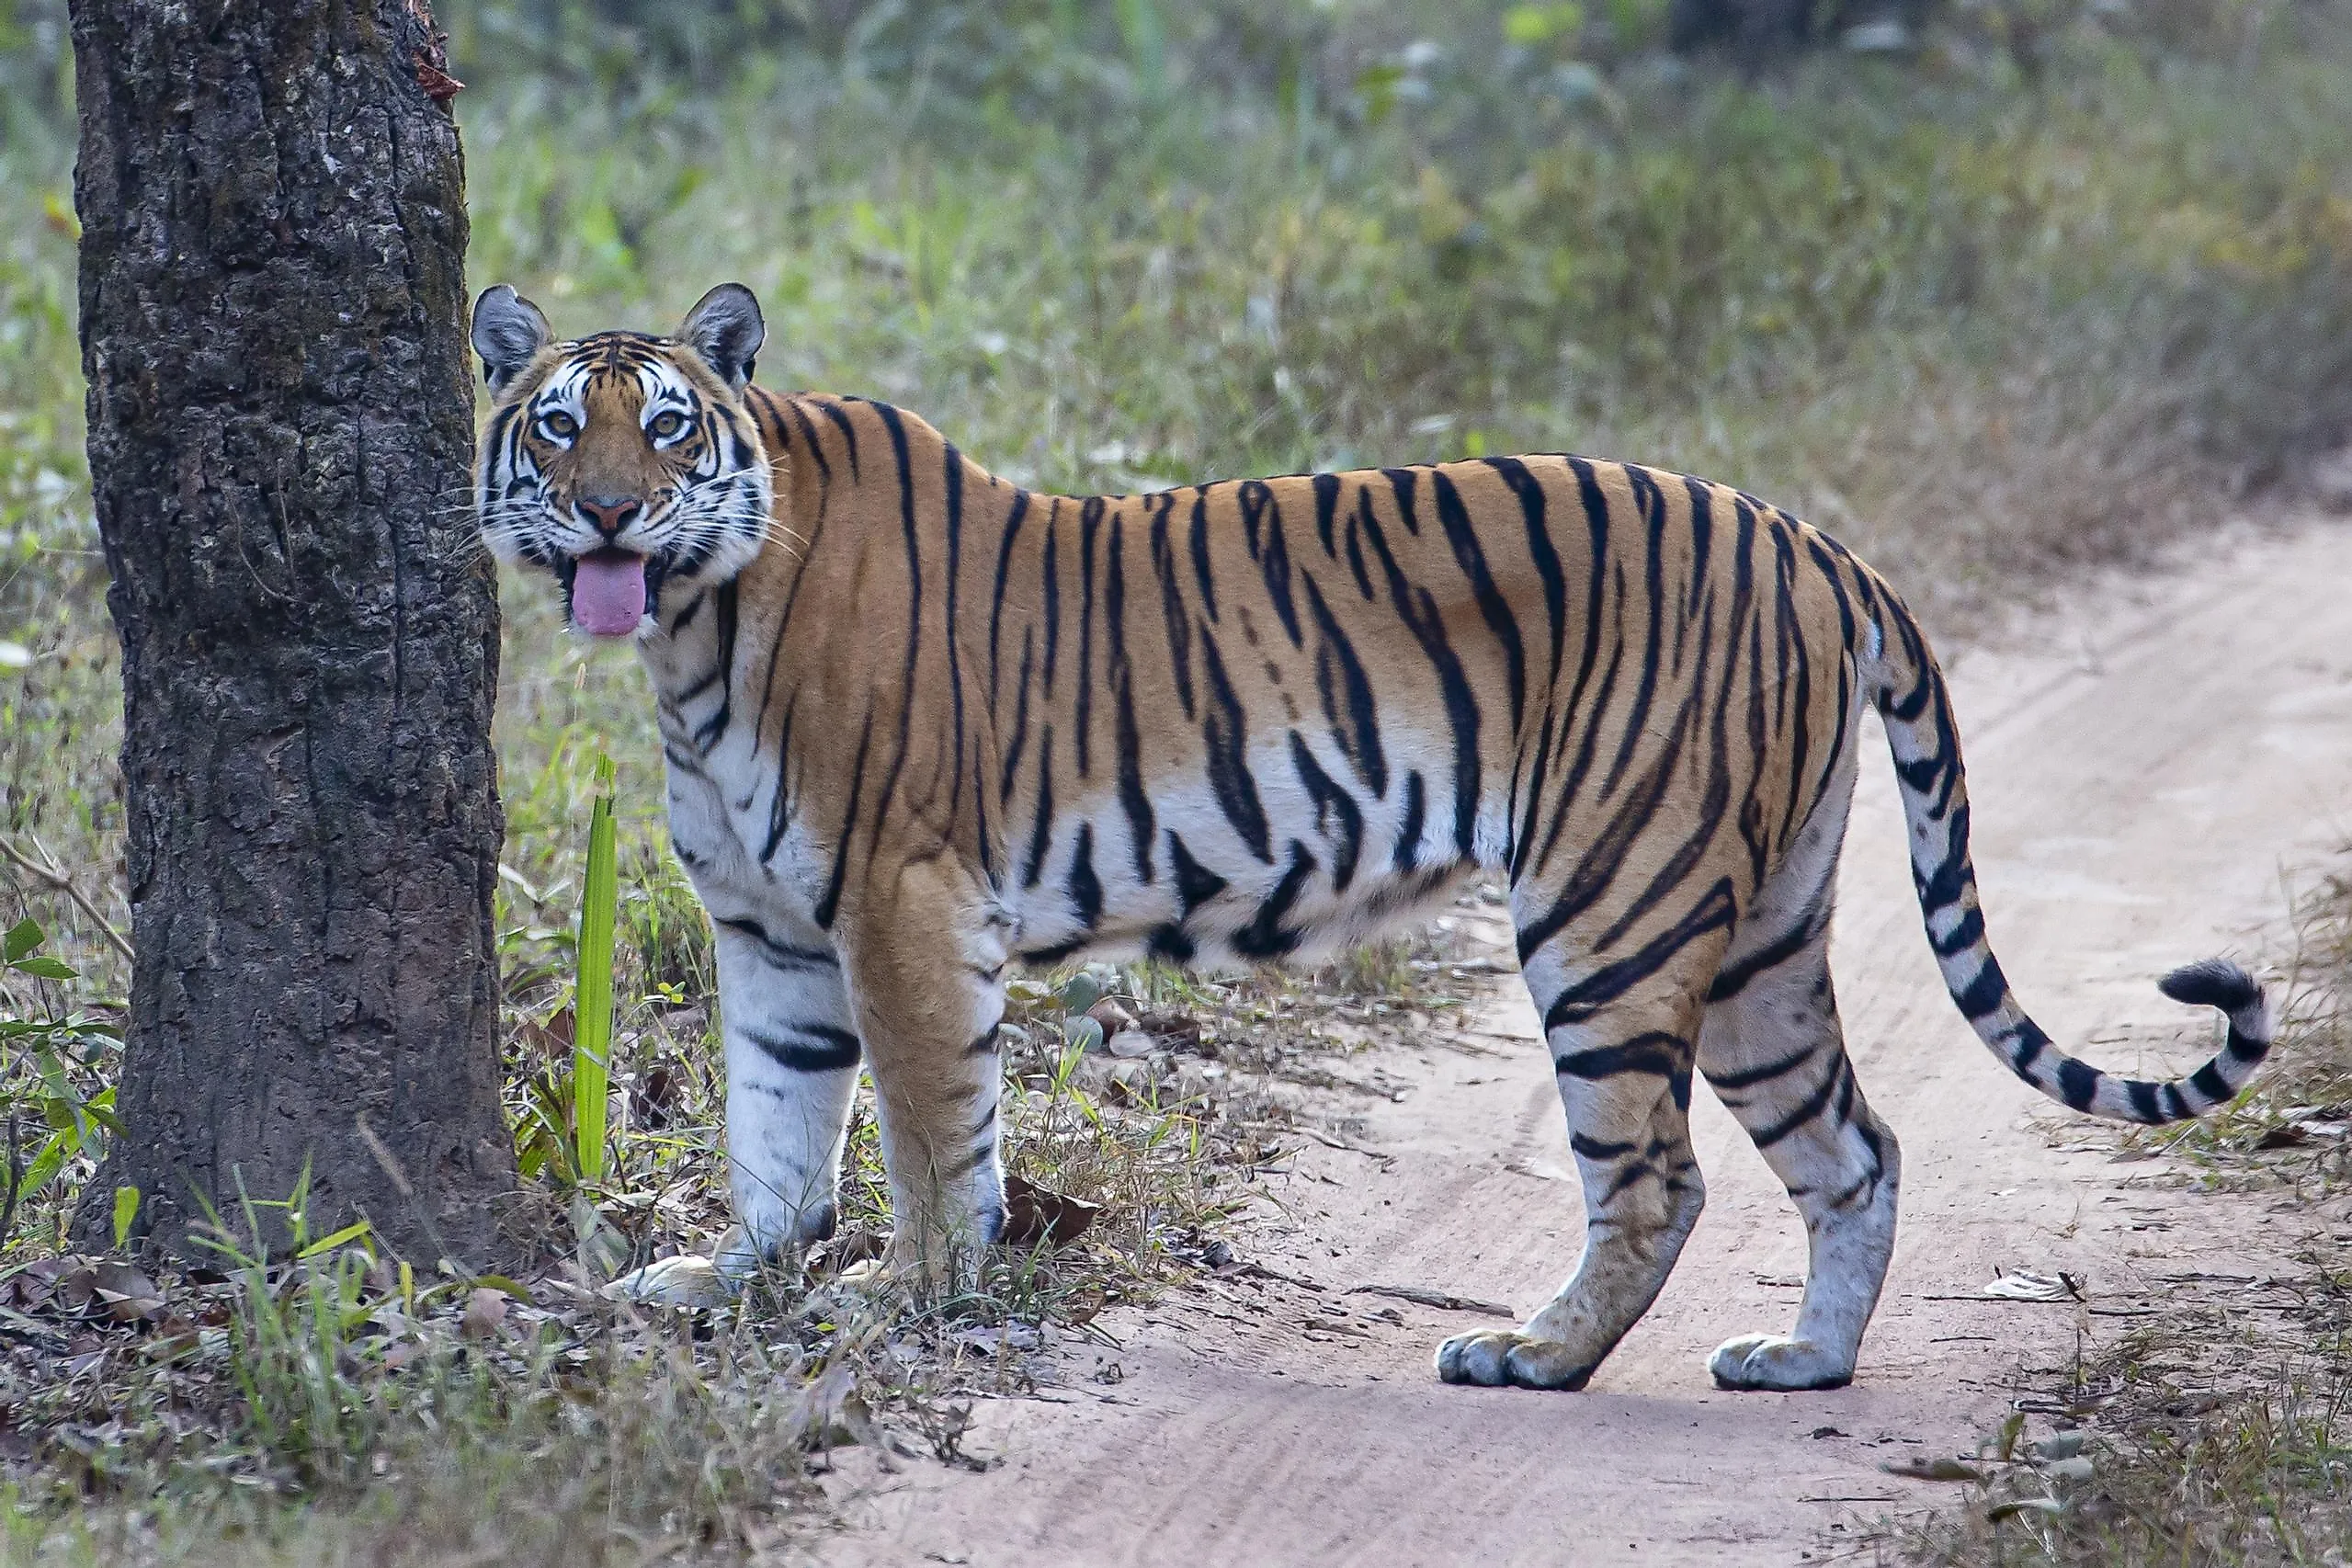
(608, 593)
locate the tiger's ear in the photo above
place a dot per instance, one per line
(725, 328)
(509, 330)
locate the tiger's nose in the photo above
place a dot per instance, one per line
(607, 513)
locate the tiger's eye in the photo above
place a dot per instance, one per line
(559, 425)
(667, 424)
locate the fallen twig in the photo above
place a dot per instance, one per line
(1260, 1271)
(1422, 1295)
(1328, 1142)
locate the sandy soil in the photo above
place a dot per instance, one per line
(2149, 760)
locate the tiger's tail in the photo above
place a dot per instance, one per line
(1903, 682)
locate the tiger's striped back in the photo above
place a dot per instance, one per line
(1331, 694)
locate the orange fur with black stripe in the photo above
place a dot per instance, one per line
(922, 723)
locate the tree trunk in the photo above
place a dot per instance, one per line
(280, 423)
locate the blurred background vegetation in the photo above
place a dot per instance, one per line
(1984, 287)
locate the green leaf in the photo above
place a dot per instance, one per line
(344, 1237)
(1081, 991)
(592, 995)
(52, 1073)
(45, 969)
(602, 1248)
(2005, 1445)
(1377, 86)
(126, 1211)
(1527, 26)
(22, 937)
(46, 1165)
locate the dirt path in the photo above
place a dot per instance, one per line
(2145, 761)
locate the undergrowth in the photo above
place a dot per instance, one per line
(2220, 1433)
(333, 1407)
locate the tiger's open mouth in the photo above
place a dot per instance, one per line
(610, 590)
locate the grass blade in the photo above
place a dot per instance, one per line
(350, 1232)
(591, 997)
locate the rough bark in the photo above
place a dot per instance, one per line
(280, 421)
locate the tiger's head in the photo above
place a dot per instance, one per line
(623, 463)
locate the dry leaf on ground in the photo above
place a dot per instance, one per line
(1033, 1215)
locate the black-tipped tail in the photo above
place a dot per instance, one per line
(2218, 983)
(2213, 982)
(1908, 691)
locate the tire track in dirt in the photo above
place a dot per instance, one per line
(2146, 758)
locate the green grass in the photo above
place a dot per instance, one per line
(2220, 1437)
(330, 1409)
(2283, 1129)
(2256, 1475)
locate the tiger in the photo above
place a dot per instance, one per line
(922, 724)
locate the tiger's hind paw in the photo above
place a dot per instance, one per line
(1775, 1362)
(694, 1283)
(1505, 1357)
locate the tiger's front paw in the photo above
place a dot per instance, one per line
(1778, 1363)
(1505, 1357)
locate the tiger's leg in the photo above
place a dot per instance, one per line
(1622, 1050)
(792, 1055)
(1772, 1049)
(926, 969)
